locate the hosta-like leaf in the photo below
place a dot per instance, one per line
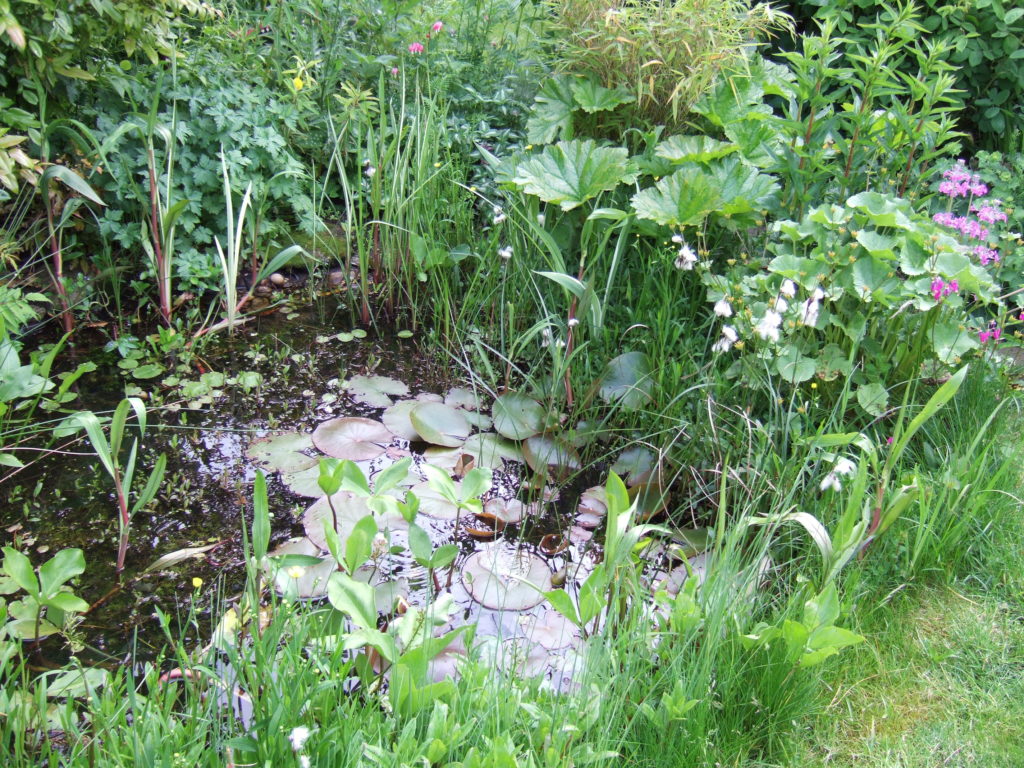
(572, 172)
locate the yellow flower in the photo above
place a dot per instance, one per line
(297, 82)
(197, 583)
(296, 572)
(437, 165)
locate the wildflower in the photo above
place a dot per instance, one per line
(725, 343)
(394, 71)
(296, 572)
(297, 82)
(541, 219)
(993, 333)
(298, 737)
(723, 308)
(370, 170)
(505, 253)
(573, 322)
(831, 481)
(844, 466)
(788, 289)
(768, 327)
(687, 259)
(436, 26)
(197, 583)
(499, 215)
(304, 761)
(986, 254)
(811, 307)
(781, 305)
(415, 47)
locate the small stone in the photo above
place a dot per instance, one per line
(278, 279)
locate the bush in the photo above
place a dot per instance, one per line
(985, 37)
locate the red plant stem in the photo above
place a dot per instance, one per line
(162, 277)
(58, 270)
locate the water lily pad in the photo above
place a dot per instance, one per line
(548, 454)
(488, 450)
(517, 416)
(352, 438)
(593, 507)
(281, 452)
(304, 482)
(550, 630)
(350, 510)
(396, 418)
(443, 458)
(459, 397)
(675, 579)
(433, 504)
(481, 421)
(440, 424)
(627, 380)
(374, 391)
(505, 579)
(429, 397)
(632, 462)
(506, 510)
(300, 579)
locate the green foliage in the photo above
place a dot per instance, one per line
(661, 57)
(984, 43)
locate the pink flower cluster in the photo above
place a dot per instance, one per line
(992, 334)
(960, 182)
(985, 254)
(990, 213)
(941, 289)
(417, 47)
(969, 227)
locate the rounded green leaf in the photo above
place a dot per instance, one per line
(440, 424)
(506, 579)
(280, 452)
(352, 438)
(517, 416)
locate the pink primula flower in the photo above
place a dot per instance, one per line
(415, 47)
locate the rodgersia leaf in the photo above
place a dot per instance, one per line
(571, 172)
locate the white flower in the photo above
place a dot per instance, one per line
(725, 343)
(788, 289)
(574, 322)
(831, 481)
(677, 238)
(303, 761)
(723, 308)
(687, 259)
(844, 466)
(370, 170)
(781, 305)
(768, 327)
(506, 252)
(541, 218)
(811, 307)
(298, 737)
(499, 215)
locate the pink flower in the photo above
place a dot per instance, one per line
(394, 71)
(415, 47)
(991, 334)
(437, 26)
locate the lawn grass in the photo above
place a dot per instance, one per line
(940, 680)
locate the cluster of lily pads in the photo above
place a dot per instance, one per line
(393, 498)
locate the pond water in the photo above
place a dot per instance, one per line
(66, 500)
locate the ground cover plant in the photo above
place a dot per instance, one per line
(492, 383)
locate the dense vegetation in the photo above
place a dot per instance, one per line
(763, 262)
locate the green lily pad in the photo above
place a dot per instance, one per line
(374, 391)
(627, 380)
(443, 458)
(433, 504)
(396, 418)
(481, 421)
(517, 416)
(488, 450)
(633, 461)
(459, 397)
(350, 509)
(506, 579)
(280, 452)
(440, 424)
(352, 438)
(148, 371)
(547, 454)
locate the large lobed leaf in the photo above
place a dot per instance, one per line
(571, 172)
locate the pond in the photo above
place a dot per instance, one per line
(314, 388)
